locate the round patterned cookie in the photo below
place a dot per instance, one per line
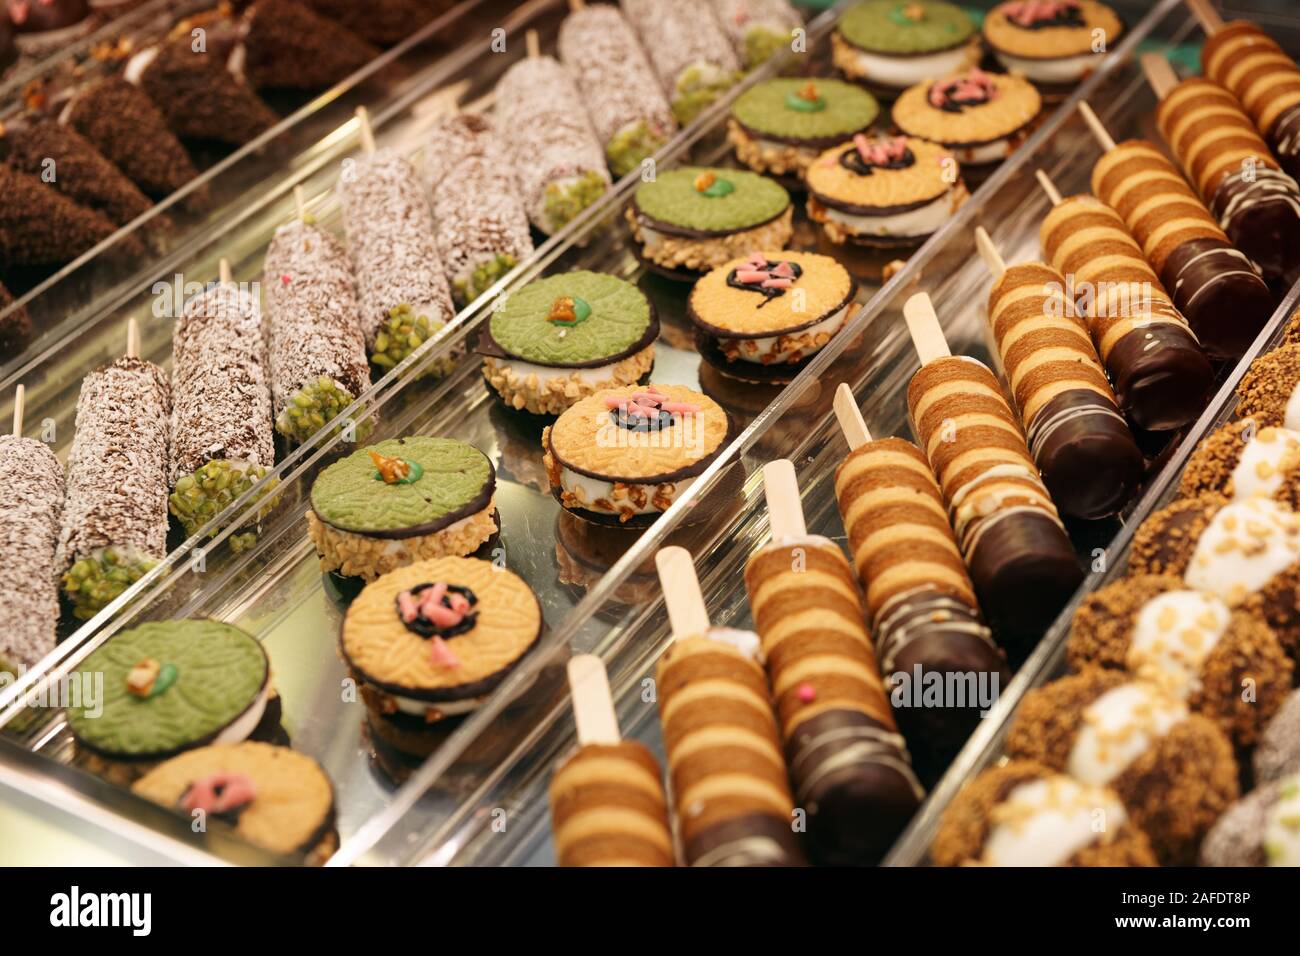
(967, 110)
(815, 113)
(274, 797)
(447, 481)
(900, 28)
(1046, 31)
(572, 320)
(169, 686)
(709, 202)
(853, 178)
(440, 631)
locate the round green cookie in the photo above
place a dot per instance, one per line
(618, 322)
(776, 107)
(217, 673)
(673, 199)
(883, 26)
(453, 480)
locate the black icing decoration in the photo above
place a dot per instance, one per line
(426, 628)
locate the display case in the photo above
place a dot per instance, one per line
(480, 799)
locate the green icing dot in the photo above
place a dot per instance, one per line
(415, 473)
(347, 496)
(883, 26)
(619, 317)
(777, 107)
(167, 675)
(719, 188)
(673, 198)
(218, 672)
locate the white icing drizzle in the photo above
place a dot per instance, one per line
(1117, 728)
(747, 642)
(1263, 464)
(1045, 822)
(1173, 634)
(1246, 544)
(1042, 427)
(849, 747)
(1221, 273)
(915, 612)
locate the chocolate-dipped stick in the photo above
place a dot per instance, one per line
(1020, 558)
(31, 503)
(731, 795)
(607, 799)
(1215, 286)
(848, 763)
(1159, 372)
(1080, 441)
(1254, 201)
(1259, 73)
(919, 598)
(115, 517)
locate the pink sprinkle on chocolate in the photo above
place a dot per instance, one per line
(441, 654)
(682, 408)
(806, 693)
(749, 276)
(220, 792)
(615, 401)
(783, 270)
(775, 283)
(647, 398)
(284, 279)
(408, 606)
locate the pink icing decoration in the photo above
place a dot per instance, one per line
(806, 693)
(1028, 13)
(441, 654)
(284, 279)
(974, 85)
(750, 275)
(775, 283)
(783, 270)
(684, 408)
(408, 605)
(236, 790)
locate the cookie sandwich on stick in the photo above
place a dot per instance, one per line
(1159, 371)
(848, 763)
(559, 163)
(115, 516)
(222, 438)
(607, 799)
(317, 347)
(1021, 560)
(1214, 285)
(403, 296)
(920, 602)
(731, 794)
(31, 504)
(1083, 447)
(1256, 203)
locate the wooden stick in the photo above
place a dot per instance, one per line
(132, 338)
(1159, 73)
(784, 509)
(850, 417)
(367, 133)
(576, 5)
(1208, 17)
(989, 253)
(532, 44)
(223, 271)
(300, 203)
(593, 706)
(1049, 187)
(923, 325)
(1099, 131)
(687, 614)
(20, 405)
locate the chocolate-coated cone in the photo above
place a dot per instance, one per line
(122, 123)
(15, 327)
(384, 22)
(201, 99)
(79, 171)
(289, 46)
(39, 226)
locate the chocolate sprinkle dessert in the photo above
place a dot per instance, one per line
(289, 46)
(39, 226)
(201, 99)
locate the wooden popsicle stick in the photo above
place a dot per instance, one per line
(1206, 15)
(20, 405)
(923, 325)
(1099, 131)
(850, 417)
(989, 252)
(132, 338)
(223, 271)
(686, 611)
(1159, 73)
(1049, 187)
(300, 203)
(576, 5)
(367, 133)
(532, 44)
(593, 706)
(784, 509)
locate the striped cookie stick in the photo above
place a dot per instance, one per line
(1157, 367)
(849, 765)
(1080, 442)
(1020, 558)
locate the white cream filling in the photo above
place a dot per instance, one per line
(1117, 728)
(1292, 419)
(804, 153)
(1282, 831)
(765, 349)
(747, 642)
(449, 708)
(1173, 634)
(548, 373)
(1246, 544)
(1260, 470)
(1066, 69)
(900, 72)
(247, 722)
(921, 221)
(1045, 822)
(398, 545)
(133, 72)
(588, 490)
(650, 238)
(993, 152)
